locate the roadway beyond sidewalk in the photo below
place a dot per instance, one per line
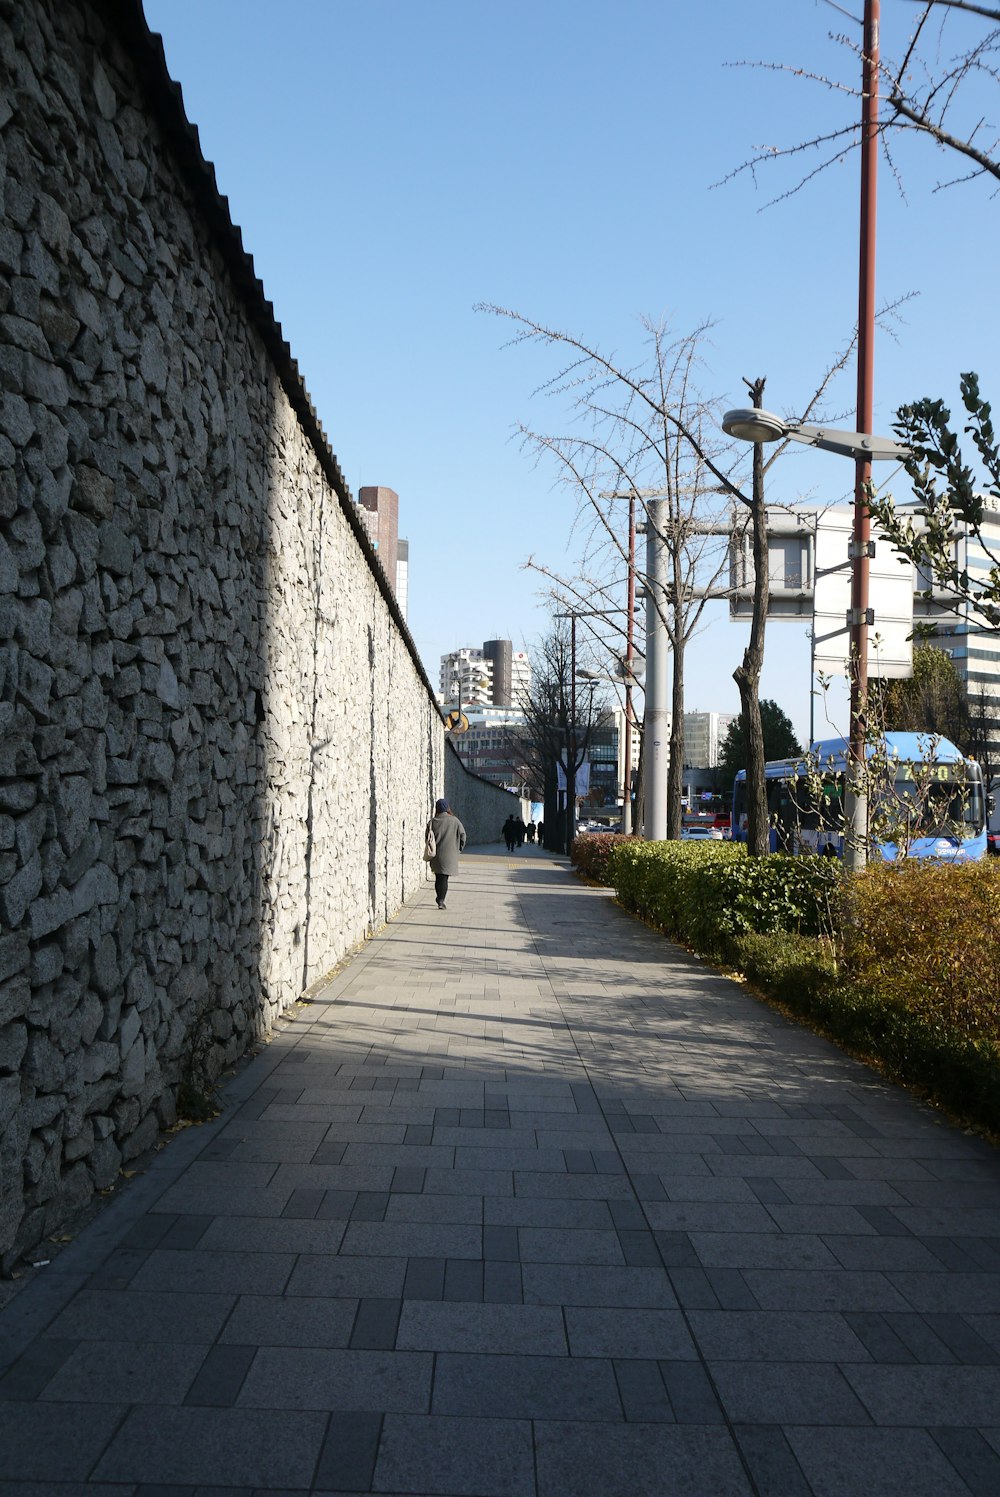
(528, 1203)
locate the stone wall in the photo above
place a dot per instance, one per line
(482, 808)
(218, 748)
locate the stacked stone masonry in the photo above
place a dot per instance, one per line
(217, 746)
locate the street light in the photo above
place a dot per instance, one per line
(764, 426)
(864, 448)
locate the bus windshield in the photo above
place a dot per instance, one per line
(943, 808)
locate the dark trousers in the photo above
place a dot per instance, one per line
(441, 887)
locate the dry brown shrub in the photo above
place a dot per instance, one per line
(926, 937)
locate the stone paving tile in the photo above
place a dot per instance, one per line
(573, 1186)
(436, 1210)
(236, 1200)
(224, 1271)
(144, 1316)
(770, 1461)
(485, 1182)
(782, 1289)
(451, 1457)
(775, 1336)
(538, 1211)
(750, 1249)
(569, 1245)
(286, 1320)
(964, 1293)
(631, 1460)
(975, 1460)
(710, 1216)
(126, 1372)
(28, 1451)
(217, 1446)
(287, 1235)
(348, 1455)
(416, 1239)
(343, 1380)
(525, 1387)
(316, 1276)
(333, 1177)
(891, 1462)
(956, 1396)
(27, 1377)
(788, 1393)
(523, 1329)
(597, 1286)
(659, 1334)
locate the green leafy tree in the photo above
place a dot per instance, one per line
(952, 499)
(932, 700)
(780, 742)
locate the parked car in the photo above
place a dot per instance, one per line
(701, 834)
(993, 843)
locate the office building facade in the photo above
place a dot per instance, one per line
(494, 675)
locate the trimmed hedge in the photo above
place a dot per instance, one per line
(926, 938)
(901, 963)
(591, 853)
(705, 894)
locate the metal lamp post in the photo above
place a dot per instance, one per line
(763, 426)
(860, 445)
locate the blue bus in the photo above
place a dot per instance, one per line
(949, 822)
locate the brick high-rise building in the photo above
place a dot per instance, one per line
(382, 524)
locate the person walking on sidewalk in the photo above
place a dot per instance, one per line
(449, 835)
(510, 833)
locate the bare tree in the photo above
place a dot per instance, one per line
(933, 87)
(558, 728)
(646, 433)
(747, 674)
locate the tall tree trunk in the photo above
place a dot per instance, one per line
(552, 819)
(747, 675)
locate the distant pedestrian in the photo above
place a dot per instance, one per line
(519, 830)
(449, 835)
(531, 831)
(541, 834)
(509, 833)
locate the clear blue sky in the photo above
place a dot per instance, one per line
(391, 164)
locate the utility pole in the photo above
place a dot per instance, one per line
(855, 851)
(571, 739)
(629, 657)
(656, 725)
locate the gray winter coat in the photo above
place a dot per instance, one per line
(450, 835)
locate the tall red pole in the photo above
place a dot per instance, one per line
(629, 656)
(866, 383)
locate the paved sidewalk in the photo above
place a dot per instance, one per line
(527, 1204)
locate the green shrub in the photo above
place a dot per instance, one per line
(706, 894)
(591, 853)
(799, 970)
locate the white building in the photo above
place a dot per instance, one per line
(973, 646)
(520, 677)
(495, 675)
(704, 733)
(466, 677)
(403, 575)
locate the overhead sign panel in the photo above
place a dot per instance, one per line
(890, 648)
